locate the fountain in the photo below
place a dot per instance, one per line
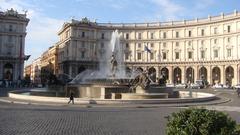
(111, 84)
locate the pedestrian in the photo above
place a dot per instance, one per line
(71, 98)
(238, 91)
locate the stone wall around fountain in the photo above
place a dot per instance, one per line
(98, 91)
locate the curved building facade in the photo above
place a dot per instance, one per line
(183, 51)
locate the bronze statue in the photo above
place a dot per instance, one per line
(113, 65)
(141, 80)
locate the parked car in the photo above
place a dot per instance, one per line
(201, 83)
(236, 86)
(217, 86)
(227, 86)
(170, 85)
(195, 86)
(39, 86)
(181, 86)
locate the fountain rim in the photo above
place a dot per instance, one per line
(43, 99)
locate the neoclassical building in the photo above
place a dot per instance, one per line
(12, 44)
(183, 51)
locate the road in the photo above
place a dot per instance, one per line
(19, 119)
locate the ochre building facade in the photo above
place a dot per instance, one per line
(183, 51)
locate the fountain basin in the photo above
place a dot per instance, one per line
(143, 95)
(184, 97)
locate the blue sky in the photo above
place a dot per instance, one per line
(47, 16)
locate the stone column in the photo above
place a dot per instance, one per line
(183, 69)
(170, 75)
(222, 72)
(70, 70)
(235, 75)
(1, 70)
(195, 73)
(157, 72)
(209, 74)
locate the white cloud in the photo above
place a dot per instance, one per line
(168, 10)
(202, 4)
(41, 30)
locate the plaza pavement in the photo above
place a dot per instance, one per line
(64, 119)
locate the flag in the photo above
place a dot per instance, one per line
(147, 49)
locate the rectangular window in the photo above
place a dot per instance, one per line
(152, 35)
(189, 33)
(189, 43)
(164, 35)
(229, 28)
(83, 54)
(83, 44)
(177, 34)
(127, 36)
(202, 42)
(10, 39)
(164, 44)
(139, 45)
(139, 35)
(202, 32)
(228, 39)
(139, 55)
(189, 55)
(215, 53)
(102, 45)
(10, 28)
(102, 36)
(229, 52)
(151, 56)
(215, 30)
(127, 45)
(152, 45)
(9, 51)
(67, 34)
(126, 56)
(83, 34)
(215, 41)
(177, 44)
(202, 54)
(176, 55)
(164, 55)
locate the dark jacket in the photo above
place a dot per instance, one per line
(71, 96)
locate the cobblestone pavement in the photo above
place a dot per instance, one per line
(19, 119)
(71, 120)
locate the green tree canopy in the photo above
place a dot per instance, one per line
(195, 121)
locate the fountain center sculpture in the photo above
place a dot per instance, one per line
(114, 65)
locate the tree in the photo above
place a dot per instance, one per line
(195, 121)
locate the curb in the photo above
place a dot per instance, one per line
(222, 101)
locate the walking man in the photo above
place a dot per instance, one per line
(71, 98)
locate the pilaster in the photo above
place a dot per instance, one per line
(170, 69)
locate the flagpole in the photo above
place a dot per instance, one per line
(147, 52)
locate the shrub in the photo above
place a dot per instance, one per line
(201, 122)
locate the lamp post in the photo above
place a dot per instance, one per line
(229, 79)
(177, 78)
(189, 87)
(216, 77)
(190, 78)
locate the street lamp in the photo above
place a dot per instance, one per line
(229, 79)
(190, 78)
(177, 78)
(216, 77)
